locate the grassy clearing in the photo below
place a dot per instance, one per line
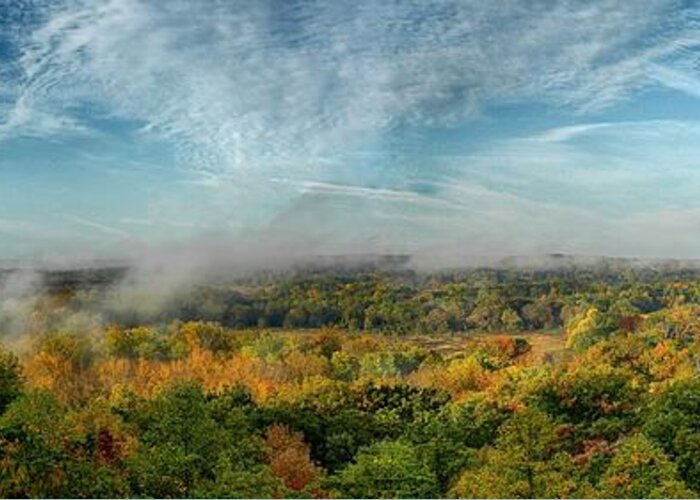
(545, 344)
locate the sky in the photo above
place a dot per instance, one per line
(442, 128)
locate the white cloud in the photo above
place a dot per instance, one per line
(314, 187)
(562, 134)
(101, 227)
(25, 120)
(282, 86)
(252, 91)
(685, 82)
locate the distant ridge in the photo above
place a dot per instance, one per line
(572, 260)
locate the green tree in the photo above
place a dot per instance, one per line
(510, 320)
(673, 422)
(448, 441)
(539, 314)
(640, 469)
(585, 329)
(232, 481)
(10, 378)
(601, 400)
(488, 310)
(526, 462)
(387, 469)
(44, 454)
(185, 441)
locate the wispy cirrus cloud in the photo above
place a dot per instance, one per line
(284, 85)
(676, 79)
(599, 165)
(392, 195)
(562, 134)
(103, 228)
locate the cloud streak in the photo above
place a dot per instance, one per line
(103, 228)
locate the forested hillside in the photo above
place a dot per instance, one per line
(483, 383)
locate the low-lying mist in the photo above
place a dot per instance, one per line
(226, 281)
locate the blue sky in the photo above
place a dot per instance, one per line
(447, 128)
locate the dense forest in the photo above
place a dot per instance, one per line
(570, 382)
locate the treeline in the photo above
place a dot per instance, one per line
(397, 302)
(484, 301)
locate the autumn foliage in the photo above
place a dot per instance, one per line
(606, 406)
